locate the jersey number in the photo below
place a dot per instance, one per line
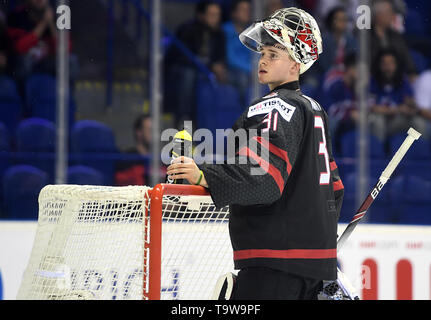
(323, 150)
(268, 121)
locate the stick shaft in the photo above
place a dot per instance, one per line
(384, 177)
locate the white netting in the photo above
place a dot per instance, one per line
(90, 244)
(196, 248)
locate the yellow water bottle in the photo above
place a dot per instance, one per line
(182, 146)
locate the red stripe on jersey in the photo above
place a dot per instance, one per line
(275, 150)
(338, 185)
(333, 165)
(285, 254)
(269, 168)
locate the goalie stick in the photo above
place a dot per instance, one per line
(412, 135)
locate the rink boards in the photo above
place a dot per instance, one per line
(382, 261)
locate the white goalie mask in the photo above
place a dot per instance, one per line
(294, 29)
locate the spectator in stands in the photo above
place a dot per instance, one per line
(339, 39)
(383, 36)
(393, 109)
(204, 37)
(134, 171)
(341, 102)
(142, 134)
(238, 57)
(32, 30)
(422, 93)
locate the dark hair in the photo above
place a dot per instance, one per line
(329, 21)
(349, 60)
(399, 72)
(202, 6)
(235, 4)
(138, 121)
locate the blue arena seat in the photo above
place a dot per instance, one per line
(41, 97)
(35, 135)
(411, 196)
(5, 148)
(218, 106)
(21, 187)
(10, 103)
(417, 161)
(91, 136)
(93, 145)
(348, 154)
(35, 139)
(349, 146)
(84, 175)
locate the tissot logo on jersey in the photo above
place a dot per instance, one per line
(286, 110)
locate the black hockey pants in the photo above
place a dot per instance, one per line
(260, 283)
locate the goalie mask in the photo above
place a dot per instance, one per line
(294, 29)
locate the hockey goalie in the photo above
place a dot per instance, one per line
(283, 188)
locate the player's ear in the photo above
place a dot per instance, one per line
(295, 68)
(298, 69)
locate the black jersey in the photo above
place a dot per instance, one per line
(283, 188)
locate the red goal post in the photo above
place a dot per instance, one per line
(156, 196)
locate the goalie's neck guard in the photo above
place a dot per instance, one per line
(294, 29)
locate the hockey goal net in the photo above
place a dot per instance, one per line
(135, 242)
